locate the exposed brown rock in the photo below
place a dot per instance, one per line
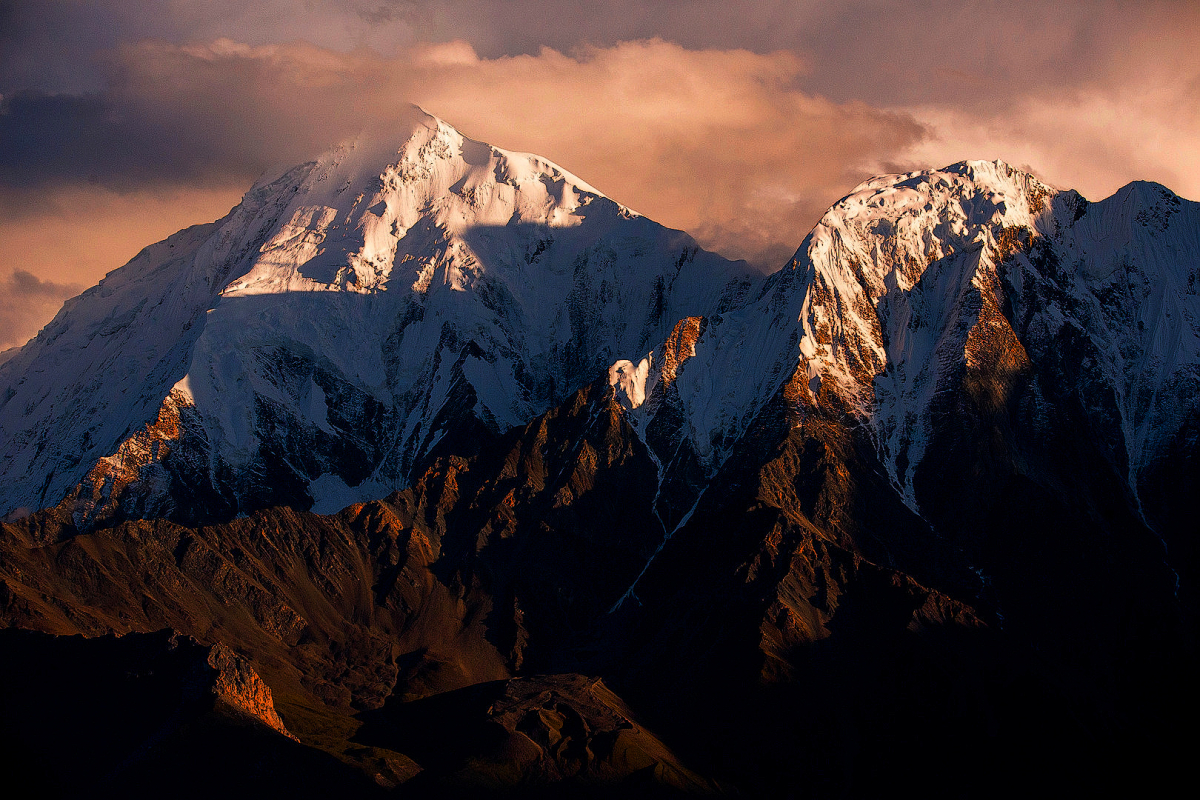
(99, 495)
(680, 346)
(238, 686)
(127, 716)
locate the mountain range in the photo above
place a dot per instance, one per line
(430, 469)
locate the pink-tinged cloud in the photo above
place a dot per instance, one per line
(735, 145)
(722, 143)
(1094, 141)
(29, 303)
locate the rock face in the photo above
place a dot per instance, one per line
(238, 687)
(916, 288)
(910, 514)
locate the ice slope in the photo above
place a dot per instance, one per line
(344, 318)
(911, 280)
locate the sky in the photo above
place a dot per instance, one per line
(122, 121)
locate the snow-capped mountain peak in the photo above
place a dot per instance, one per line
(913, 283)
(402, 295)
(351, 313)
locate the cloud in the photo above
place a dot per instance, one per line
(30, 303)
(876, 51)
(76, 235)
(740, 123)
(722, 143)
(25, 285)
(198, 115)
(57, 46)
(1140, 122)
(62, 139)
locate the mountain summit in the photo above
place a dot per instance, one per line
(916, 287)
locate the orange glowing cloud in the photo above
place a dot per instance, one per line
(744, 146)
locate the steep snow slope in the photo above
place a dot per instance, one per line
(321, 340)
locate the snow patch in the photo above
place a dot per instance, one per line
(331, 494)
(184, 387)
(630, 381)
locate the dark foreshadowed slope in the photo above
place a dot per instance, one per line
(777, 639)
(501, 565)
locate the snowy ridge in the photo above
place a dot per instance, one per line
(868, 314)
(344, 319)
(902, 270)
(1126, 273)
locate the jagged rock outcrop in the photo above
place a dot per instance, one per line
(238, 687)
(558, 735)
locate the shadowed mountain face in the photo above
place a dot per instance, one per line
(911, 514)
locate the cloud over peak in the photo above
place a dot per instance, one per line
(738, 122)
(706, 140)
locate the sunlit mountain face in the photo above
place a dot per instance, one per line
(431, 470)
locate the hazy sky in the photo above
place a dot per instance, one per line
(122, 121)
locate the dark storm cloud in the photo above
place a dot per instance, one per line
(22, 285)
(48, 45)
(739, 122)
(29, 303)
(58, 139)
(193, 115)
(51, 141)
(58, 45)
(878, 51)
